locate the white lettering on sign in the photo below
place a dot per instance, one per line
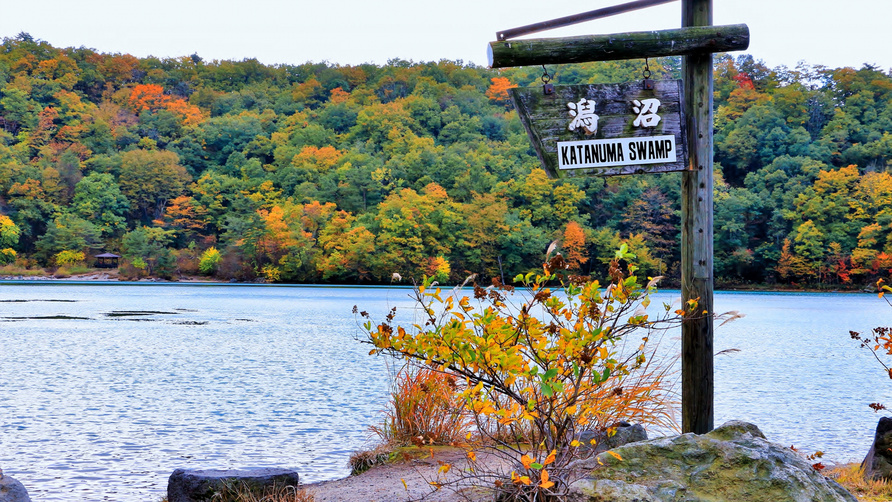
(583, 113)
(647, 112)
(616, 152)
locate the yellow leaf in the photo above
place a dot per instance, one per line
(445, 468)
(615, 454)
(574, 443)
(545, 483)
(519, 479)
(404, 484)
(526, 461)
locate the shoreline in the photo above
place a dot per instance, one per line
(113, 277)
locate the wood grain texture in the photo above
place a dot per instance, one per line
(697, 379)
(546, 119)
(633, 45)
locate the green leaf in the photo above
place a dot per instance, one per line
(550, 374)
(546, 389)
(537, 466)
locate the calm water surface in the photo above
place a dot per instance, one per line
(140, 380)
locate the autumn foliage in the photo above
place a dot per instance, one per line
(878, 342)
(539, 369)
(428, 168)
(498, 91)
(151, 97)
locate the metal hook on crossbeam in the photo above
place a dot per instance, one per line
(647, 84)
(547, 86)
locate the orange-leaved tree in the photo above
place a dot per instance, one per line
(538, 372)
(879, 342)
(498, 91)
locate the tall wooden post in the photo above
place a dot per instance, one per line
(697, 384)
(696, 41)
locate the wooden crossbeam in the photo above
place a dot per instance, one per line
(634, 45)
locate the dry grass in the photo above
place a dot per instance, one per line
(241, 492)
(424, 409)
(364, 460)
(851, 477)
(17, 270)
(644, 397)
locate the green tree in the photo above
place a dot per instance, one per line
(98, 198)
(149, 246)
(67, 232)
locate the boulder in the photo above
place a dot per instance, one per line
(187, 485)
(733, 463)
(625, 433)
(878, 462)
(11, 490)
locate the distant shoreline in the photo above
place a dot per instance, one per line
(113, 277)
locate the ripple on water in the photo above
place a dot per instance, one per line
(236, 377)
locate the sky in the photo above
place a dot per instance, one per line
(831, 33)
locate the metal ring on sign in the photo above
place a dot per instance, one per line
(646, 73)
(545, 76)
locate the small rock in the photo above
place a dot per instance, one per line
(11, 490)
(625, 433)
(188, 485)
(878, 462)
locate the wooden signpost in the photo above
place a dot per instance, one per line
(697, 40)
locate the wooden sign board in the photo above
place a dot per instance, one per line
(605, 130)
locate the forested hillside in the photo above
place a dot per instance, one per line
(328, 173)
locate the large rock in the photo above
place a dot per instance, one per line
(878, 462)
(734, 463)
(11, 490)
(201, 485)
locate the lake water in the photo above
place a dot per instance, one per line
(105, 389)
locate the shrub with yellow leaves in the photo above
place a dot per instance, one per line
(540, 365)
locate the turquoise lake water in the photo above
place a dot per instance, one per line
(107, 388)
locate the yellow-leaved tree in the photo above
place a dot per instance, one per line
(540, 366)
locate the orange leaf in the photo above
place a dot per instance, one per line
(526, 461)
(472, 456)
(525, 480)
(615, 454)
(545, 483)
(550, 458)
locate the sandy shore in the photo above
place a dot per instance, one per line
(386, 483)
